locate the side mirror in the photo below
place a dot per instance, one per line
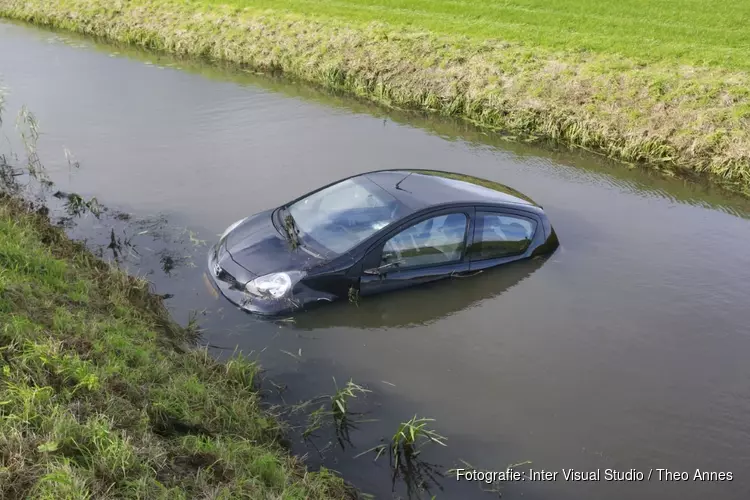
(382, 269)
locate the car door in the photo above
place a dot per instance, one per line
(429, 248)
(501, 236)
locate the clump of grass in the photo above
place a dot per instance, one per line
(315, 421)
(353, 295)
(340, 399)
(404, 449)
(339, 413)
(673, 112)
(344, 419)
(28, 129)
(13, 169)
(410, 436)
(76, 205)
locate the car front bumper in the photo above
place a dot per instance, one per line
(232, 287)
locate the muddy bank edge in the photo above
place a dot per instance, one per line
(100, 397)
(673, 118)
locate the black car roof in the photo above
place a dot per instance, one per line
(420, 189)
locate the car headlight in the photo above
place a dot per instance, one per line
(232, 227)
(274, 285)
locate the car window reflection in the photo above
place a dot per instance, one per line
(436, 240)
(499, 236)
(341, 216)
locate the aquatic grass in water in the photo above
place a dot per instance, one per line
(13, 169)
(28, 128)
(410, 436)
(353, 296)
(340, 400)
(339, 413)
(404, 451)
(76, 205)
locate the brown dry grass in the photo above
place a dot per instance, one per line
(669, 116)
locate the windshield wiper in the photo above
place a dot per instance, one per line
(290, 226)
(398, 184)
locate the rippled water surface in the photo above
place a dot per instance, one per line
(628, 349)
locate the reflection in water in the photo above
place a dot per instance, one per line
(418, 476)
(646, 182)
(421, 305)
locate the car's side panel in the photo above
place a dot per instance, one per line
(406, 277)
(332, 278)
(395, 280)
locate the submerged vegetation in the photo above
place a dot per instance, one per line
(665, 84)
(339, 414)
(404, 451)
(102, 394)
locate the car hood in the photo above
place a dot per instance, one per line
(258, 247)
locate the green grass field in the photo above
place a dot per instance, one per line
(663, 84)
(690, 31)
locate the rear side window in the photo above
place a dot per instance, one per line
(497, 235)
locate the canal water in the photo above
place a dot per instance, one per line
(627, 349)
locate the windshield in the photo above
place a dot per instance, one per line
(341, 216)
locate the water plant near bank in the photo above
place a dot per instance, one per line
(404, 449)
(339, 413)
(675, 112)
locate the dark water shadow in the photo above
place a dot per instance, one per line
(420, 305)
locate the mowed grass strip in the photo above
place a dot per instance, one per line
(99, 400)
(623, 94)
(687, 31)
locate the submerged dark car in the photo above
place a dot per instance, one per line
(373, 233)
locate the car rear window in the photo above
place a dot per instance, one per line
(501, 235)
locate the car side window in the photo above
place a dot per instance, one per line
(434, 241)
(498, 235)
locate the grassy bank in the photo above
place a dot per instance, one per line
(98, 399)
(665, 84)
